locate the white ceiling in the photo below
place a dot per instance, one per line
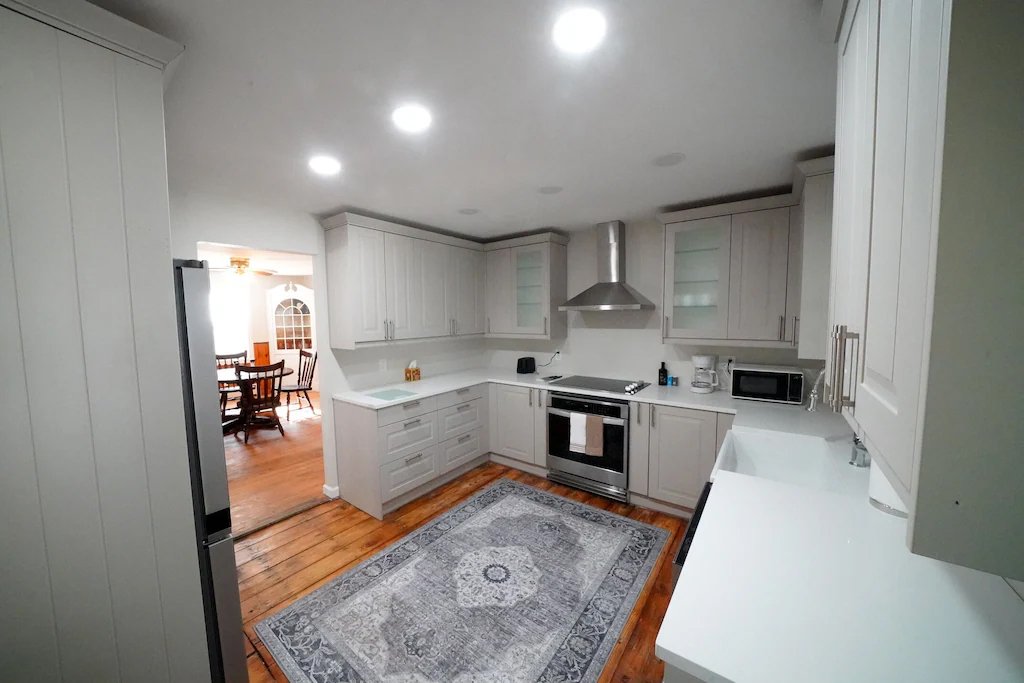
(277, 262)
(741, 87)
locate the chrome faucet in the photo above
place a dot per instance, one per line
(812, 401)
(859, 457)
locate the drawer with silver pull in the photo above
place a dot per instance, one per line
(408, 472)
(400, 439)
(460, 450)
(406, 410)
(460, 418)
(451, 398)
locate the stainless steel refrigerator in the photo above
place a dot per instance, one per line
(214, 542)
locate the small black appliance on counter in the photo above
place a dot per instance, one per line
(526, 365)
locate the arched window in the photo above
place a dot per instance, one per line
(293, 326)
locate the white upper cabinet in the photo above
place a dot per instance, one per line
(355, 264)
(887, 406)
(926, 267)
(525, 284)
(758, 271)
(855, 126)
(464, 296)
(697, 278)
(498, 292)
(391, 282)
(811, 251)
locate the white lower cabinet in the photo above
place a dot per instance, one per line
(460, 450)
(406, 473)
(513, 421)
(682, 453)
(639, 447)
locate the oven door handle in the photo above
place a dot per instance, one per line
(607, 420)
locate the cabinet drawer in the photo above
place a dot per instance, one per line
(405, 411)
(407, 473)
(460, 418)
(406, 438)
(459, 450)
(451, 398)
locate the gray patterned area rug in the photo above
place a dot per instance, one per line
(515, 584)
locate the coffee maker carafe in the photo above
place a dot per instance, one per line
(705, 378)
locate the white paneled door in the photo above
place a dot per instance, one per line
(291, 323)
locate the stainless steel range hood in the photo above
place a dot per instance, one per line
(611, 293)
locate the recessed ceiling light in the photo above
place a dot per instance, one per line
(579, 30)
(673, 159)
(322, 164)
(411, 118)
(550, 189)
(469, 212)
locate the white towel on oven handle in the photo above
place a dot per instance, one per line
(577, 432)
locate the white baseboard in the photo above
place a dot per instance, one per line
(331, 491)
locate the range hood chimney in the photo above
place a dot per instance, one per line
(611, 293)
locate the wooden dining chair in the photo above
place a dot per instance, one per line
(229, 360)
(260, 387)
(303, 384)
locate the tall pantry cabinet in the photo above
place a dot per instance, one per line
(926, 308)
(99, 564)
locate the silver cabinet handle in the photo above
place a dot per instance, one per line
(464, 439)
(410, 423)
(531, 397)
(652, 416)
(639, 412)
(545, 324)
(782, 327)
(664, 332)
(410, 404)
(413, 458)
(464, 406)
(462, 390)
(796, 328)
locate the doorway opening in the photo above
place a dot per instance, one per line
(264, 315)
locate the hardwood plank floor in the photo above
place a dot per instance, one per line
(274, 476)
(287, 560)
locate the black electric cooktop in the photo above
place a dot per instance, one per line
(619, 386)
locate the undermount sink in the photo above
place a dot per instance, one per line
(806, 461)
(391, 394)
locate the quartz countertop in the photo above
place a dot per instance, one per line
(789, 583)
(753, 414)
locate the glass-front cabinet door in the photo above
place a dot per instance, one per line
(530, 268)
(697, 278)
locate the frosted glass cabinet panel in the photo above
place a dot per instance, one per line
(532, 289)
(697, 281)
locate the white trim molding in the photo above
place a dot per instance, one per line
(97, 25)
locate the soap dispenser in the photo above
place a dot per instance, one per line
(663, 375)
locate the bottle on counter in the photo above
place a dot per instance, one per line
(663, 375)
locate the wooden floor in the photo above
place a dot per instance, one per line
(287, 560)
(273, 476)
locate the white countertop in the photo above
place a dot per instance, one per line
(753, 414)
(788, 583)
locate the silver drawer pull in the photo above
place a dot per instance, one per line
(410, 404)
(464, 439)
(414, 458)
(464, 406)
(462, 391)
(410, 423)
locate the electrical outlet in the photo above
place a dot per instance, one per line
(558, 354)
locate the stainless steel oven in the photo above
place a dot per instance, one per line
(600, 466)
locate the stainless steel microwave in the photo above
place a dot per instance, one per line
(775, 383)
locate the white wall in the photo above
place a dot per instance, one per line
(199, 217)
(621, 344)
